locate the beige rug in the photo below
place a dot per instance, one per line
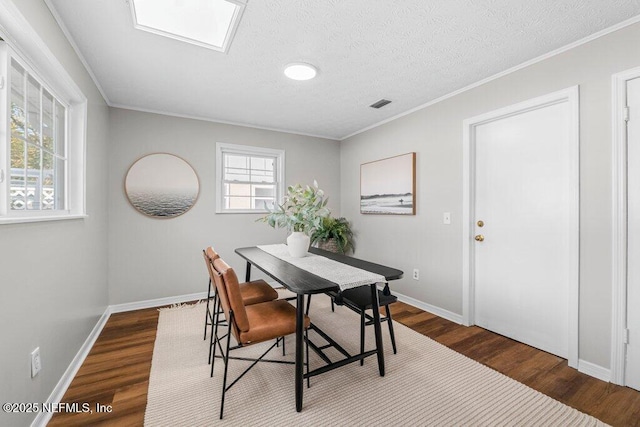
(425, 383)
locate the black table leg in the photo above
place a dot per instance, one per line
(376, 325)
(299, 350)
(247, 274)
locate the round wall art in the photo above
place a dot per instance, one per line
(162, 185)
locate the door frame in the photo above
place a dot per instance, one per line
(570, 95)
(619, 224)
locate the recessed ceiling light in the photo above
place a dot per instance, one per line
(206, 23)
(300, 71)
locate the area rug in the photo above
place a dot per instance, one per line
(426, 383)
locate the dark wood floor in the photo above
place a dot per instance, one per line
(116, 372)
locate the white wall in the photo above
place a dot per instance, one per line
(154, 258)
(53, 275)
(435, 133)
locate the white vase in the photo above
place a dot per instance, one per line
(298, 244)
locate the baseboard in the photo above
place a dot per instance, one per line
(138, 305)
(585, 367)
(43, 418)
(60, 389)
(445, 314)
(594, 370)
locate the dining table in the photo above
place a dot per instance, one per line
(305, 283)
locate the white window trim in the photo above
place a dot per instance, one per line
(221, 148)
(35, 55)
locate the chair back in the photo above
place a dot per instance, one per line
(217, 280)
(211, 254)
(233, 293)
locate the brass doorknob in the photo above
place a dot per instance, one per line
(479, 238)
(480, 223)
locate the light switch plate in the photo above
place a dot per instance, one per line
(35, 362)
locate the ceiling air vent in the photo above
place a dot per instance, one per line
(380, 104)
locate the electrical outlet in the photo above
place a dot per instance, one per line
(35, 362)
(416, 274)
(446, 218)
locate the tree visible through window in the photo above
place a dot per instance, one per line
(43, 129)
(38, 145)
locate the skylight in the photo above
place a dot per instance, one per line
(206, 23)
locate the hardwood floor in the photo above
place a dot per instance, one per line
(116, 372)
(549, 374)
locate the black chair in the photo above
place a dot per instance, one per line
(359, 300)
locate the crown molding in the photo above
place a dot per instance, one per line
(525, 64)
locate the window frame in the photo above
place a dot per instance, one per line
(247, 150)
(29, 51)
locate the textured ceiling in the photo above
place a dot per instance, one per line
(408, 51)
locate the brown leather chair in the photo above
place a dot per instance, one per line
(249, 324)
(253, 292)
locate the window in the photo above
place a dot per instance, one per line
(38, 135)
(41, 143)
(247, 178)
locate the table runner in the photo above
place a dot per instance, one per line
(345, 276)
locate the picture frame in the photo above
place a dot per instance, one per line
(161, 185)
(388, 186)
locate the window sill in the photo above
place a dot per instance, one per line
(243, 211)
(19, 220)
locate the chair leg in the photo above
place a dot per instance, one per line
(333, 307)
(391, 334)
(213, 331)
(214, 324)
(206, 314)
(284, 352)
(308, 305)
(214, 320)
(306, 352)
(226, 368)
(362, 329)
(214, 337)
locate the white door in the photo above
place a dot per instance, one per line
(632, 368)
(525, 194)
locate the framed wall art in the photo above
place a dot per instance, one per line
(388, 186)
(162, 185)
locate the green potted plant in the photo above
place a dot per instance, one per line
(301, 213)
(334, 234)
